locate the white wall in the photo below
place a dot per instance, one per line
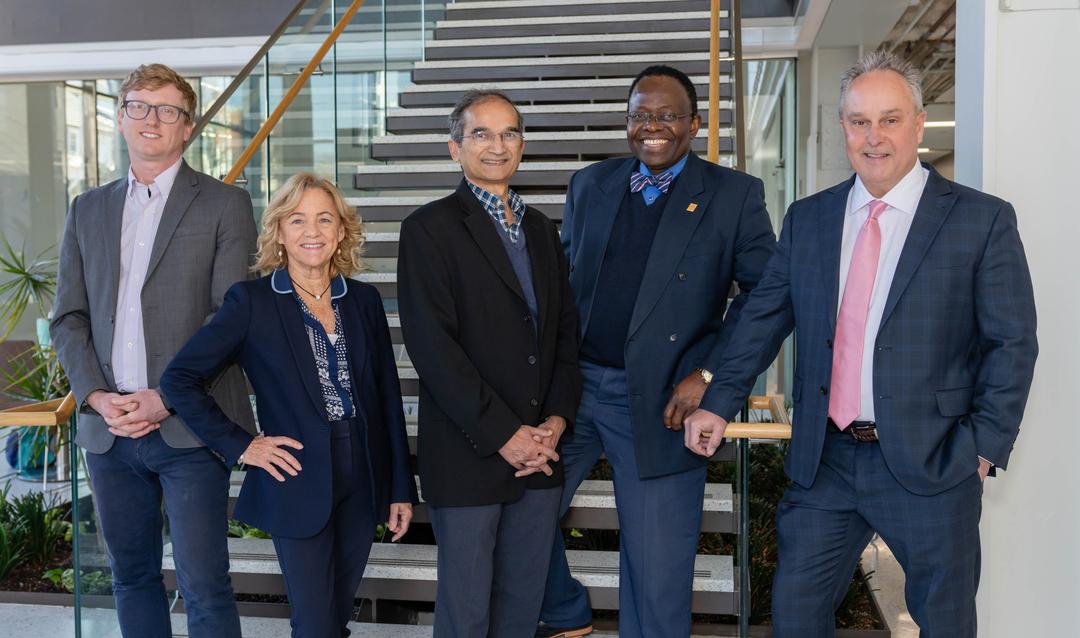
(1017, 137)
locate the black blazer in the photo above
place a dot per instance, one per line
(484, 370)
(263, 331)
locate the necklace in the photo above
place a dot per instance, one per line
(311, 294)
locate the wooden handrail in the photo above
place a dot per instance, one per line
(714, 83)
(294, 90)
(774, 431)
(779, 429)
(242, 76)
(45, 413)
(738, 88)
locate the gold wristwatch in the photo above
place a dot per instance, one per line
(705, 375)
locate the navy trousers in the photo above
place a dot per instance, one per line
(493, 560)
(659, 520)
(129, 483)
(322, 572)
(822, 531)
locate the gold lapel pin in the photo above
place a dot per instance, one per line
(691, 208)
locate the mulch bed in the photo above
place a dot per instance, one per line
(28, 577)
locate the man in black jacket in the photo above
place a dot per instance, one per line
(490, 324)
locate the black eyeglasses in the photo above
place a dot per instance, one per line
(641, 117)
(166, 113)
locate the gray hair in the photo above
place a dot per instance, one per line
(882, 60)
(471, 98)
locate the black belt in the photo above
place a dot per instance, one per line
(862, 431)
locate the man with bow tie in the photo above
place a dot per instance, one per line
(654, 243)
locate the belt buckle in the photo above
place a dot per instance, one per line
(864, 434)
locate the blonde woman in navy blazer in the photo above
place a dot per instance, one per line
(332, 458)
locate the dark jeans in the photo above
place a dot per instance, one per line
(493, 561)
(322, 572)
(822, 530)
(129, 482)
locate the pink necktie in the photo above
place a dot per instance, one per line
(845, 394)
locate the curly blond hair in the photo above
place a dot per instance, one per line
(269, 256)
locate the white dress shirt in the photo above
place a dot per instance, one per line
(895, 223)
(142, 215)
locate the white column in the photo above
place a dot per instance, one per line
(1017, 137)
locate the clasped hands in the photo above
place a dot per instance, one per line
(530, 449)
(129, 415)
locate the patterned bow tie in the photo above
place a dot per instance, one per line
(638, 181)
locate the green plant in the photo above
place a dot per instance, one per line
(37, 377)
(243, 530)
(95, 582)
(40, 523)
(29, 282)
(11, 550)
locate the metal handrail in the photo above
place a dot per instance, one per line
(242, 76)
(293, 91)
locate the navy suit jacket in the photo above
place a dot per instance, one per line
(955, 348)
(678, 322)
(264, 332)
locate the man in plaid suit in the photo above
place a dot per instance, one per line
(914, 316)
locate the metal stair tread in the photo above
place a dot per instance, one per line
(454, 167)
(591, 494)
(417, 563)
(420, 200)
(538, 84)
(534, 109)
(565, 19)
(554, 40)
(539, 136)
(512, 4)
(664, 58)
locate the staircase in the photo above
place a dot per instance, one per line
(568, 65)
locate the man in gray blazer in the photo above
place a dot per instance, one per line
(145, 261)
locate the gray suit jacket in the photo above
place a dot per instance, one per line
(204, 244)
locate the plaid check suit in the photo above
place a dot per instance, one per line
(953, 363)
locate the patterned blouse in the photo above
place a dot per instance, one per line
(331, 352)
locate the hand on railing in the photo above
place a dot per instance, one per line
(704, 430)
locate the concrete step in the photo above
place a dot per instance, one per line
(490, 69)
(516, 9)
(594, 90)
(446, 175)
(573, 45)
(568, 24)
(593, 505)
(565, 117)
(251, 627)
(538, 144)
(408, 572)
(397, 208)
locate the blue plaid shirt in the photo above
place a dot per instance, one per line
(494, 206)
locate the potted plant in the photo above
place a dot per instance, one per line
(30, 371)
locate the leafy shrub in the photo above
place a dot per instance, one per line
(243, 530)
(40, 524)
(11, 551)
(95, 582)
